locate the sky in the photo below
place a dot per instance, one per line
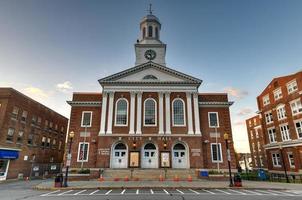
(51, 48)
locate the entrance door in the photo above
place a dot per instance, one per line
(180, 157)
(119, 156)
(4, 163)
(149, 156)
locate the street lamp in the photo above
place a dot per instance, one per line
(283, 163)
(226, 138)
(71, 135)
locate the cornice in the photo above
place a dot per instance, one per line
(215, 104)
(85, 103)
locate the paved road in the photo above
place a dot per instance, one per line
(22, 190)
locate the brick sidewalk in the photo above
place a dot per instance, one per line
(48, 185)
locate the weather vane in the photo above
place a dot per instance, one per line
(150, 9)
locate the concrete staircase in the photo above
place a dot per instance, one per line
(149, 174)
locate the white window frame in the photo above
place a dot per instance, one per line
(155, 112)
(297, 108)
(79, 146)
(269, 136)
(277, 164)
(278, 94)
(269, 117)
(281, 112)
(82, 120)
(221, 156)
(290, 85)
(115, 124)
(184, 112)
(290, 164)
(266, 100)
(209, 120)
(285, 132)
(300, 122)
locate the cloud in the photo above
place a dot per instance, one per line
(36, 93)
(64, 87)
(237, 93)
(244, 111)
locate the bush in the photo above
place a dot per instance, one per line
(84, 171)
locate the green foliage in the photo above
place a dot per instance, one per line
(84, 171)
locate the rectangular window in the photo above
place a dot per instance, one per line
(60, 145)
(20, 137)
(276, 160)
(296, 106)
(253, 147)
(24, 115)
(46, 124)
(43, 141)
(50, 125)
(258, 145)
(281, 113)
(56, 127)
(86, 119)
(216, 152)
(30, 139)
(15, 112)
(257, 134)
(83, 152)
(272, 135)
(39, 120)
(48, 142)
(10, 134)
(54, 143)
(252, 135)
(62, 129)
(268, 117)
(291, 160)
(213, 119)
(284, 132)
(266, 100)
(278, 94)
(292, 86)
(298, 126)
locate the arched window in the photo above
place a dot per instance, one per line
(156, 33)
(120, 146)
(150, 30)
(121, 114)
(144, 32)
(179, 146)
(150, 112)
(150, 146)
(178, 112)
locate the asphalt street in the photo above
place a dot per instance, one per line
(22, 190)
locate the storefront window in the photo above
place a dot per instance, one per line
(3, 168)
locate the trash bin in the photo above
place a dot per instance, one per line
(237, 180)
(59, 180)
(204, 174)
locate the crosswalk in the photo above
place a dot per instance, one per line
(155, 191)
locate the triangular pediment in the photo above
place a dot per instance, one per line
(150, 73)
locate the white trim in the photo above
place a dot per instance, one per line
(276, 91)
(290, 82)
(184, 112)
(161, 113)
(298, 121)
(103, 114)
(155, 112)
(187, 150)
(209, 121)
(110, 113)
(278, 164)
(3, 178)
(120, 99)
(196, 114)
(291, 166)
(295, 102)
(168, 110)
(189, 113)
(221, 156)
(90, 123)
(139, 113)
(79, 147)
(132, 113)
(113, 152)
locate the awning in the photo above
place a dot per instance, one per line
(9, 154)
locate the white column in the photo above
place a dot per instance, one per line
(196, 113)
(103, 115)
(168, 121)
(139, 113)
(161, 113)
(189, 111)
(110, 113)
(132, 112)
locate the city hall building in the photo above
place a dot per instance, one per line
(150, 116)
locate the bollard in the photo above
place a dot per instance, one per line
(126, 178)
(176, 178)
(189, 178)
(161, 178)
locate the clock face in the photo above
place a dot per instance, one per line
(150, 54)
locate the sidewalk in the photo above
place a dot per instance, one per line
(198, 184)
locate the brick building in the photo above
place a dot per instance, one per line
(257, 142)
(280, 112)
(150, 116)
(30, 135)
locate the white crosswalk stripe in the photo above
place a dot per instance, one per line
(227, 191)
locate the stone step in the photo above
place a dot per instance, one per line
(149, 174)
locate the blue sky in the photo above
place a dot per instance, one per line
(51, 48)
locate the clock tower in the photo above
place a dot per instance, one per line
(149, 47)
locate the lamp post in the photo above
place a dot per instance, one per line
(226, 138)
(71, 135)
(283, 163)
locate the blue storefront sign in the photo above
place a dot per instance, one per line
(9, 154)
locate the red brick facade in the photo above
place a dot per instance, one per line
(281, 119)
(33, 127)
(101, 146)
